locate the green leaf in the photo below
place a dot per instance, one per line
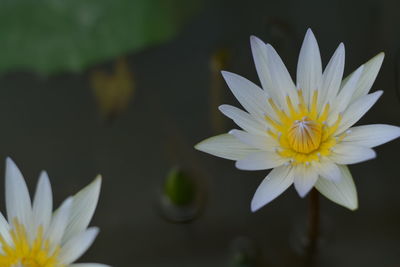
(49, 36)
(179, 188)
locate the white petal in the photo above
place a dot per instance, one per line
(43, 202)
(78, 245)
(304, 179)
(263, 142)
(309, 67)
(342, 192)
(83, 207)
(343, 99)
(262, 160)
(242, 119)
(277, 181)
(368, 77)
(280, 81)
(371, 135)
(357, 109)
(249, 95)
(88, 265)
(351, 154)
(332, 77)
(225, 146)
(5, 230)
(328, 169)
(59, 222)
(18, 202)
(259, 51)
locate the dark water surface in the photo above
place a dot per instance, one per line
(53, 124)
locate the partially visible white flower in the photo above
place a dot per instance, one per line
(34, 236)
(302, 131)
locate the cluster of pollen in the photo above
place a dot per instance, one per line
(28, 252)
(302, 132)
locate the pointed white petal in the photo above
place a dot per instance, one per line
(59, 222)
(342, 192)
(368, 76)
(351, 154)
(277, 181)
(371, 135)
(43, 202)
(328, 169)
(242, 119)
(263, 142)
(259, 51)
(262, 160)
(304, 179)
(5, 230)
(225, 146)
(343, 99)
(18, 202)
(88, 265)
(309, 67)
(280, 81)
(332, 77)
(357, 109)
(249, 95)
(77, 245)
(83, 207)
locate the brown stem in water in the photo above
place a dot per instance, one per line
(313, 227)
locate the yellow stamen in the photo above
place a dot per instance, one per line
(314, 105)
(324, 114)
(273, 123)
(302, 132)
(305, 136)
(281, 114)
(331, 130)
(26, 252)
(290, 105)
(302, 104)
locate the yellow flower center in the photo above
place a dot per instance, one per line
(302, 132)
(304, 136)
(28, 252)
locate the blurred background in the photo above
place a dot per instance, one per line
(126, 88)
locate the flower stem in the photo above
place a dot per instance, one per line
(313, 227)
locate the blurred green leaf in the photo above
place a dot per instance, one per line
(179, 188)
(49, 36)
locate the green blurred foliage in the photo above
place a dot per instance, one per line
(50, 36)
(179, 188)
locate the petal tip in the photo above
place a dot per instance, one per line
(239, 165)
(98, 178)
(254, 206)
(309, 34)
(67, 203)
(197, 146)
(224, 72)
(10, 162)
(379, 93)
(232, 132)
(354, 208)
(222, 107)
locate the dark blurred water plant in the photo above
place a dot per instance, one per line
(179, 188)
(182, 198)
(50, 36)
(113, 91)
(219, 61)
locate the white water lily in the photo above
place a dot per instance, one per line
(302, 131)
(34, 236)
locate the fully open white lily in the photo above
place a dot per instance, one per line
(302, 131)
